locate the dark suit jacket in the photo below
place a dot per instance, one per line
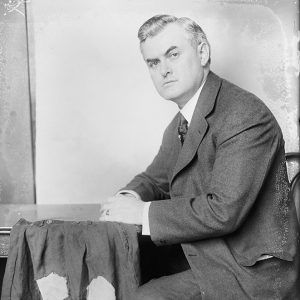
(224, 195)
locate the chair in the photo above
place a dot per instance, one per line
(293, 169)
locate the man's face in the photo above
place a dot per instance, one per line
(176, 67)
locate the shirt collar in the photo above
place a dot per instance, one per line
(189, 108)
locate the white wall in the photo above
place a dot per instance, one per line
(99, 119)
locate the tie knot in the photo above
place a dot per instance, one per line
(183, 125)
(182, 128)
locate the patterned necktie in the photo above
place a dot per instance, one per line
(182, 129)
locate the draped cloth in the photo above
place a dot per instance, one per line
(88, 260)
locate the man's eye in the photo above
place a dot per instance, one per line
(174, 54)
(153, 64)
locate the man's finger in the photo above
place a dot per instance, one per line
(104, 215)
(104, 208)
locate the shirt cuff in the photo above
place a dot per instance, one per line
(146, 226)
(133, 193)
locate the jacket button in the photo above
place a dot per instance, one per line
(191, 254)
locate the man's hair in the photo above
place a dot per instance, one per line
(157, 23)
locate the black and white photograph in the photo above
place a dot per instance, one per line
(149, 150)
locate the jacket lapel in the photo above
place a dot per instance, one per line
(198, 126)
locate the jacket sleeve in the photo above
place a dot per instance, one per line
(153, 184)
(245, 150)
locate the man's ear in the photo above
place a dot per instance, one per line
(204, 52)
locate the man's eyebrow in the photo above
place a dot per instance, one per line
(170, 49)
(150, 60)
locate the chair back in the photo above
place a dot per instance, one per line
(293, 169)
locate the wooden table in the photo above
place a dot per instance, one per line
(11, 213)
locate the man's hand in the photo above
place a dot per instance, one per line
(122, 208)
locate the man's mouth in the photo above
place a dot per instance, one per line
(169, 82)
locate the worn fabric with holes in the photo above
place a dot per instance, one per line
(76, 251)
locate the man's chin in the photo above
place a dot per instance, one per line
(176, 98)
(172, 96)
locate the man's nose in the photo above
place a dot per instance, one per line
(165, 69)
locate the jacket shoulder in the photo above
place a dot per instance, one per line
(233, 98)
(236, 107)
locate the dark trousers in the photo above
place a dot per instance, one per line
(165, 273)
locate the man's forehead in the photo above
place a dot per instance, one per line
(173, 35)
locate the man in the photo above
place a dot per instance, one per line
(218, 185)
